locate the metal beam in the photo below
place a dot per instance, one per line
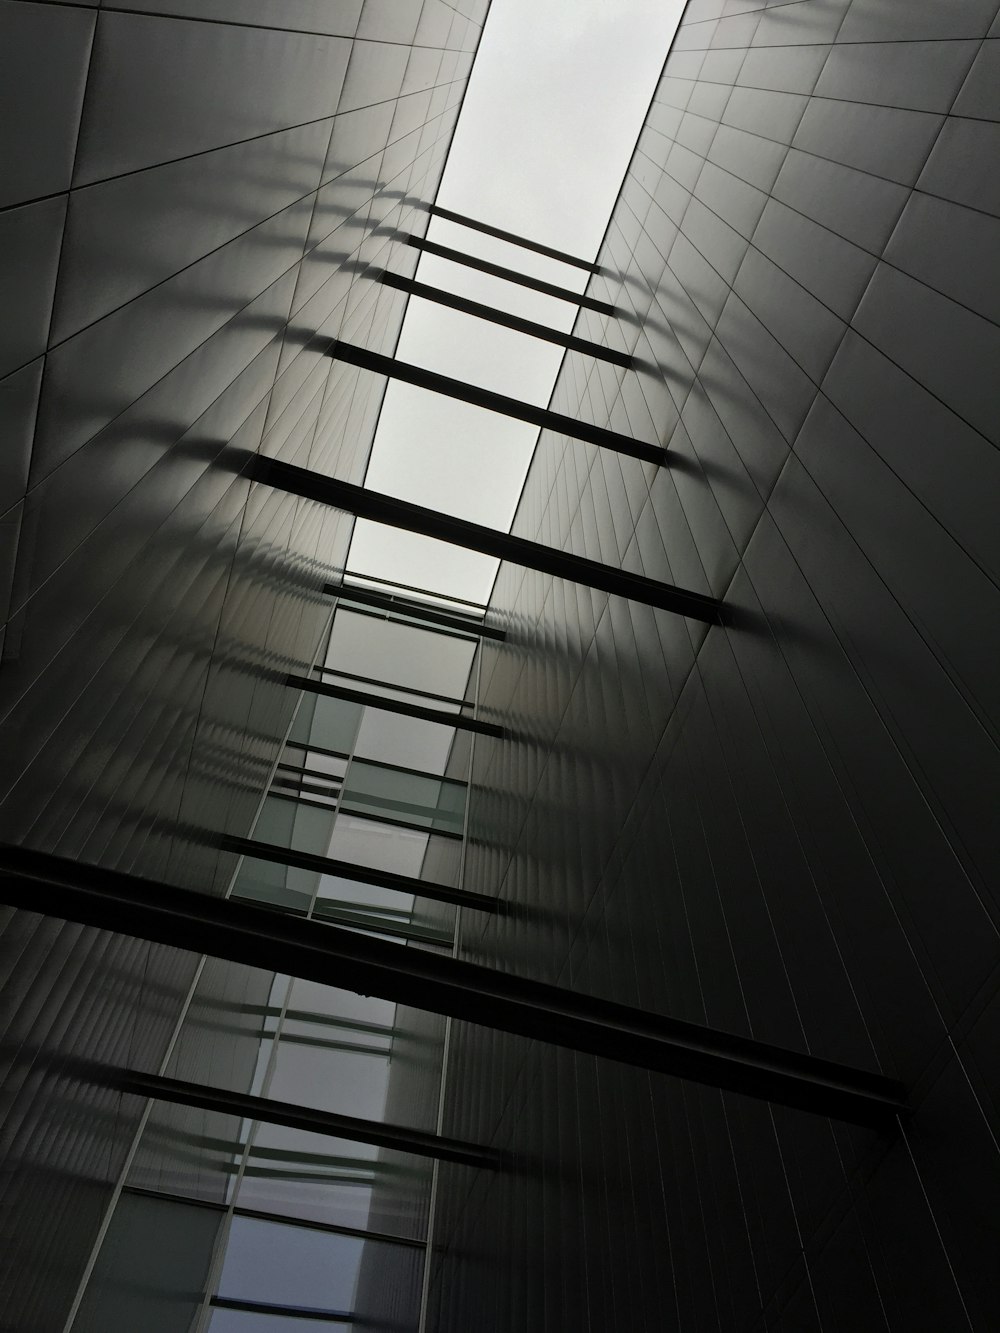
(439, 715)
(298, 1312)
(514, 239)
(496, 402)
(495, 316)
(511, 275)
(381, 508)
(402, 606)
(352, 960)
(305, 1118)
(386, 879)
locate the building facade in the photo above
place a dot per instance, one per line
(192, 191)
(780, 826)
(784, 828)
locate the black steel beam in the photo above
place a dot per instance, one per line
(402, 606)
(300, 1312)
(495, 316)
(331, 955)
(496, 402)
(305, 1118)
(510, 275)
(459, 720)
(514, 239)
(386, 879)
(381, 508)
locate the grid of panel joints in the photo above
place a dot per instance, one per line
(951, 497)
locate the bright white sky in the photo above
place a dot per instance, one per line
(556, 100)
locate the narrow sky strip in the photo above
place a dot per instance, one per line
(555, 104)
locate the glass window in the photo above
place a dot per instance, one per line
(381, 846)
(247, 1321)
(286, 823)
(420, 799)
(333, 1052)
(311, 1176)
(345, 1081)
(225, 1042)
(326, 724)
(351, 894)
(290, 1265)
(152, 1267)
(403, 654)
(410, 742)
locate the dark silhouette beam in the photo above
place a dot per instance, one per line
(305, 1118)
(495, 316)
(402, 606)
(386, 879)
(381, 508)
(514, 239)
(495, 402)
(353, 960)
(460, 720)
(510, 275)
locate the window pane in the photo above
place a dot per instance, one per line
(285, 823)
(290, 1265)
(225, 1042)
(381, 846)
(329, 724)
(389, 904)
(344, 1082)
(388, 738)
(312, 1176)
(399, 653)
(412, 798)
(152, 1267)
(245, 1321)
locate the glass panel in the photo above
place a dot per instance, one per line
(311, 773)
(286, 823)
(311, 1176)
(290, 1265)
(225, 1042)
(329, 724)
(333, 1052)
(401, 653)
(386, 904)
(381, 846)
(410, 742)
(152, 1268)
(394, 919)
(246, 1321)
(413, 798)
(345, 1081)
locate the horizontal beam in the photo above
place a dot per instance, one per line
(425, 979)
(385, 879)
(299, 1312)
(402, 606)
(305, 1118)
(573, 344)
(496, 402)
(381, 508)
(439, 715)
(511, 275)
(437, 211)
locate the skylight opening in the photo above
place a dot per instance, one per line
(554, 107)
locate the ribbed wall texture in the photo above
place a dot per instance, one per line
(191, 189)
(785, 828)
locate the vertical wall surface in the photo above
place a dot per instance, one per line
(190, 191)
(785, 828)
